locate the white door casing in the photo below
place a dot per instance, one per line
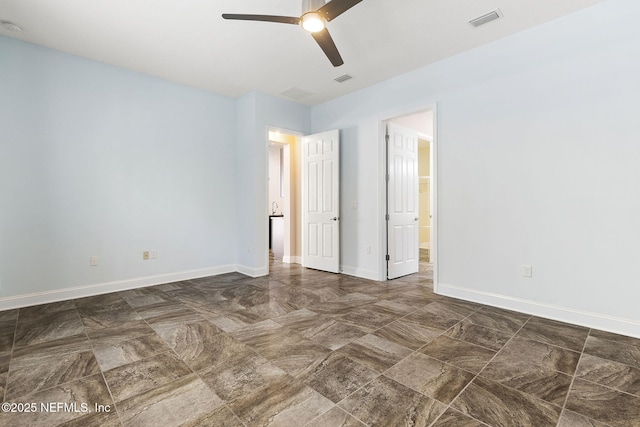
(321, 201)
(402, 201)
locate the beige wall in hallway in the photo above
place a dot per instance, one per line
(295, 231)
(424, 173)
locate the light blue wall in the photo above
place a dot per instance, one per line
(100, 161)
(538, 160)
(537, 154)
(257, 113)
(247, 183)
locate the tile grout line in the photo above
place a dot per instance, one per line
(612, 360)
(224, 402)
(379, 374)
(399, 361)
(478, 374)
(573, 377)
(335, 406)
(171, 349)
(528, 321)
(495, 328)
(62, 383)
(13, 346)
(99, 367)
(84, 331)
(197, 374)
(102, 371)
(404, 358)
(544, 343)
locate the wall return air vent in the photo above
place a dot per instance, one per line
(486, 18)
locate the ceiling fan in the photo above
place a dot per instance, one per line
(315, 15)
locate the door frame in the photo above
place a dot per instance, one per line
(382, 168)
(288, 207)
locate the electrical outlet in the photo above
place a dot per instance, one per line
(145, 255)
(93, 261)
(367, 250)
(153, 254)
(527, 271)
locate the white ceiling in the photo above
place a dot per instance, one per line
(187, 41)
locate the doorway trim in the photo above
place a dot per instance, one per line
(288, 204)
(382, 167)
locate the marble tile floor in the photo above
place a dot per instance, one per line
(302, 347)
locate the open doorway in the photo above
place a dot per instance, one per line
(410, 192)
(283, 207)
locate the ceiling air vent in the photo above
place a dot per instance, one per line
(11, 26)
(486, 18)
(342, 79)
(296, 93)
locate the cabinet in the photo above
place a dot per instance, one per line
(276, 235)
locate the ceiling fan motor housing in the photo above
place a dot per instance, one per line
(311, 5)
(315, 15)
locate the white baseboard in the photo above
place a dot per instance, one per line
(359, 272)
(252, 272)
(563, 314)
(46, 297)
(292, 259)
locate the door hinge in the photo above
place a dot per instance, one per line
(388, 257)
(386, 138)
(387, 217)
(387, 177)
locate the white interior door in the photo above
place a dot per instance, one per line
(320, 201)
(402, 201)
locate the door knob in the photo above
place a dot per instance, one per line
(335, 218)
(416, 218)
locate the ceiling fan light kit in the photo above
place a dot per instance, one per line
(315, 15)
(312, 22)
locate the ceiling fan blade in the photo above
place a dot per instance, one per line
(328, 46)
(266, 18)
(335, 8)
